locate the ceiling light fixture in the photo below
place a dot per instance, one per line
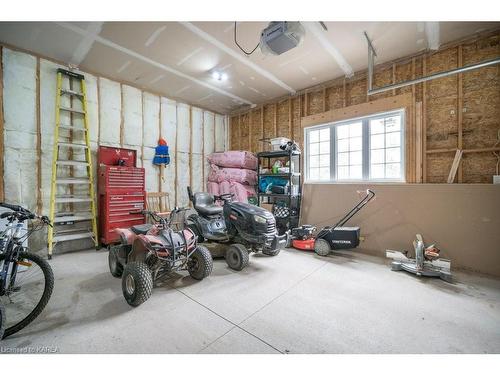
(219, 76)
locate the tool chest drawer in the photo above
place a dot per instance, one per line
(121, 178)
(117, 211)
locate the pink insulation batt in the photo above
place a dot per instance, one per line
(243, 176)
(213, 188)
(234, 159)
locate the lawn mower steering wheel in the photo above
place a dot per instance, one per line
(223, 197)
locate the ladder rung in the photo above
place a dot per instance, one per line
(71, 92)
(70, 237)
(72, 162)
(71, 74)
(81, 217)
(74, 110)
(70, 127)
(73, 181)
(72, 199)
(72, 145)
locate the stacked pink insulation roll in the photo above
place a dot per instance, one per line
(233, 172)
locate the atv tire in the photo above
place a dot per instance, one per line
(237, 257)
(115, 267)
(322, 247)
(200, 265)
(137, 283)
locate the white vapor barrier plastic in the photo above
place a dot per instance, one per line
(132, 116)
(20, 133)
(151, 171)
(92, 106)
(197, 131)
(182, 154)
(168, 131)
(220, 133)
(183, 131)
(110, 112)
(182, 179)
(209, 144)
(197, 149)
(151, 109)
(196, 170)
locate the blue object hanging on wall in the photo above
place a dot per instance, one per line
(161, 153)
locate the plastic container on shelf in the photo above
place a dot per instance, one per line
(276, 143)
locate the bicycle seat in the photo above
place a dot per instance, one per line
(141, 228)
(204, 203)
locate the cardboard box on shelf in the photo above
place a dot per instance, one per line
(267, 206)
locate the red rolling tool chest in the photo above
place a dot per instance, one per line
(121, 187)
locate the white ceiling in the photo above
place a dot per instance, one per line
(177, 59)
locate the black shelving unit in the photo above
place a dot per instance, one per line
(293, 197)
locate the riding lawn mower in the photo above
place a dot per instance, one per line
(235, 227)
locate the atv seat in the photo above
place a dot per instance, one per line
(204, 203)
(141, 228)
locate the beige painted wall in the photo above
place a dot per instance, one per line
(463, 220)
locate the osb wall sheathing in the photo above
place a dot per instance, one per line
(255, 130)
(452, 118)
(119, 115)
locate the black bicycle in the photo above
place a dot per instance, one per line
(26, 279)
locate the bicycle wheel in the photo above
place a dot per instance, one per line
(27, 297)
(2, 320)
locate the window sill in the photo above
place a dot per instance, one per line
(357, 182)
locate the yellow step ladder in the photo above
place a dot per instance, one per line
(72, 195)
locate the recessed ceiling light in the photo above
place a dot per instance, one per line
(219, 76)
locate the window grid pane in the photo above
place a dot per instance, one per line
(349, 156)
(385, 147)
(371, 148)
(319, 154)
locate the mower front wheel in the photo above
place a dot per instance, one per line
(137, 283)
(271, 253)
(237, 257)
(322, 247)
(200, 263)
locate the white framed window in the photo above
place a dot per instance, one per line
(369, 148)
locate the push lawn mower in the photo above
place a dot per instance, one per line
(148, 251)
(330, 238)
(236, 227)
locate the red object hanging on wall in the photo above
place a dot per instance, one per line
(121, 187)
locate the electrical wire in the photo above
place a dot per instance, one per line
(240, 47)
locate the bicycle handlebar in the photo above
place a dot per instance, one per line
(22, 211)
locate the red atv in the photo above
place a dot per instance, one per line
(149, 251)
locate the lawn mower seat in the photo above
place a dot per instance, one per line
(141, 228)
(204, 203)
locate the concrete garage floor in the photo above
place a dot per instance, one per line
(293, 303)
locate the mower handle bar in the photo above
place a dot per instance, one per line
(370, 194)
